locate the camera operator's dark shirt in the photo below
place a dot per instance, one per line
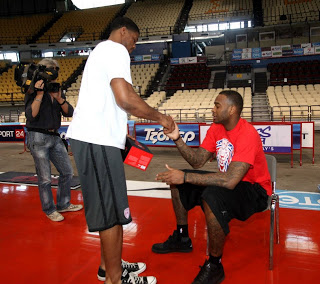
(49, 116)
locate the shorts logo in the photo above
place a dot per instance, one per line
(127, 213)
(225, 151)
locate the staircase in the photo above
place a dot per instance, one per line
(219, 80)
(55, 18)
(260, 82)
(182, 20)
(260, 107)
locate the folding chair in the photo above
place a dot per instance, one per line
(273, 205)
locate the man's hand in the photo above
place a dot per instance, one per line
(57, 96)
(175, 133)
(168, 124)
(172, 176)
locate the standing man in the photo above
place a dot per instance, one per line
(98, 133)
(43, 110)
(238, 190)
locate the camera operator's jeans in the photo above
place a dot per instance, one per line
(45, 148)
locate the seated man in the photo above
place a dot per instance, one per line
(238, 190)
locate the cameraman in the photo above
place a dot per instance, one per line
(43, 108)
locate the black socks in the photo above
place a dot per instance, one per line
(183, 230)
(215, 259)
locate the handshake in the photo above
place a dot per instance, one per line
(170, 127)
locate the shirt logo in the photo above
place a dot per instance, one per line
(225, 151)
(126, 213)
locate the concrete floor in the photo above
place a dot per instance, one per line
(298, 178)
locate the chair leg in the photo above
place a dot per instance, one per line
(271, 236)
(277, 221)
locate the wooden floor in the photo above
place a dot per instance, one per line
(35, 250)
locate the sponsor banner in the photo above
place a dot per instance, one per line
(316, 44)
(246, 55)
(317, 49)
(305, 45)
(247, 50)
(266, 53)
(138, 58)
(287, 52)
(174, 61)
(236, 56)
(237, 50)
(285, 47)
(146, 57)
(152, 134)
(308, 50)
(296, 46)
(256, 50)
(257, 55)
(275, 138)
(268, 48)
(276, 53)
(298, 51)
(276, 48)
(299, 199)
(155, 57)
(12, 133)
(188, 60)
(307, 134)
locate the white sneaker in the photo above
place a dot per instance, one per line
(136, 267)
(55, 216)
(131, 278)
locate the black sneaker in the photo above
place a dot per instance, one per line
(209, 273)
(175, 243)
(132, 278)
(136, 267)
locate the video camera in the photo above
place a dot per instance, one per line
(27, 74)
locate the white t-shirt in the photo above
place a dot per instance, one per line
(97, 118)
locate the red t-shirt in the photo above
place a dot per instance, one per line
(241, 144)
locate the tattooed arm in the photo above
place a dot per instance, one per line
(196, 158)
(228, 179)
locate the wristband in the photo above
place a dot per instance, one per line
(38, 100)
(62, 103)
(174, 140)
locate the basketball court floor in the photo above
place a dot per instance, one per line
(37, 250)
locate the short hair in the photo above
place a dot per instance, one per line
(120, 22)
(234, 98)
(49, 62)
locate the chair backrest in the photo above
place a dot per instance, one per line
(272, 167)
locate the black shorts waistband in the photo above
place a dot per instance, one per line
(44, 131)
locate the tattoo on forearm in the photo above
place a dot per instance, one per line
(232, 176)
(196, 158)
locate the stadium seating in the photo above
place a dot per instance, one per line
(219, 10)
(83, 24)
(154, 17)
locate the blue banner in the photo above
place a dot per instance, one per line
(256, 50)
(257, 55)
(298, 51)
(174, 60)
(237, 50)
(236, 56)
(152, 134)
(155, 57)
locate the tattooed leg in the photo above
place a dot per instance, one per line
(215, 232)
(179, 210)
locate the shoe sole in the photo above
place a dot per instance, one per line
(169, 251)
